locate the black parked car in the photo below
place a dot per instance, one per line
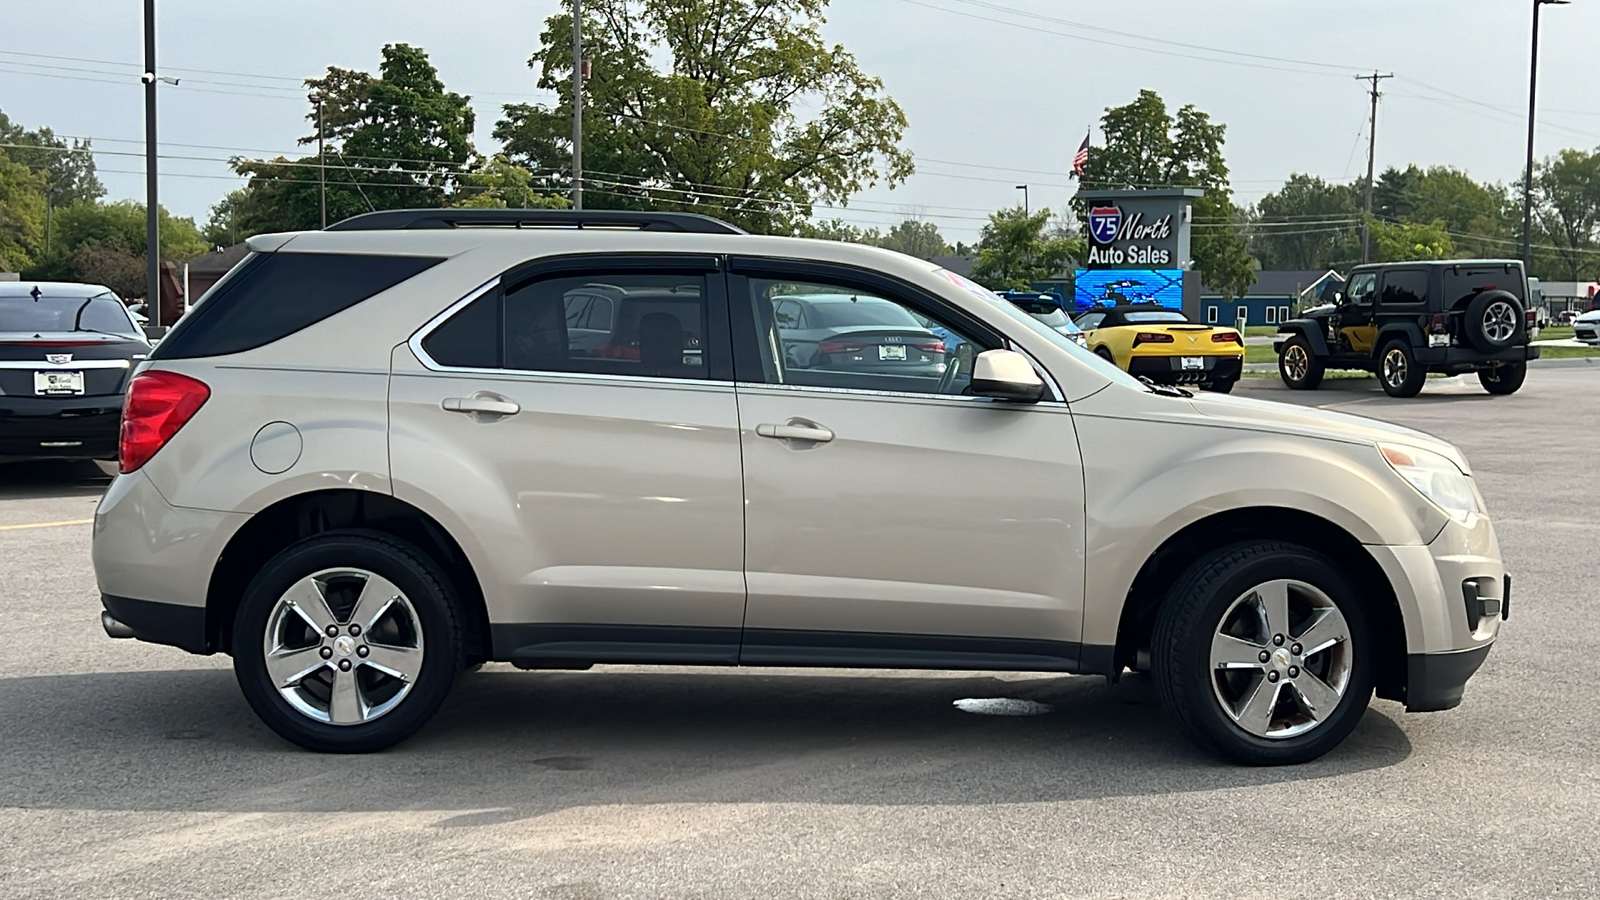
(1403, 320)
(66, 351)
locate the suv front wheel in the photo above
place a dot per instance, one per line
(1298, 365)
(1399, 372)
(1261, 651)
(347, 642)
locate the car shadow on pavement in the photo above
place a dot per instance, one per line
(508, 745)
(52, 478)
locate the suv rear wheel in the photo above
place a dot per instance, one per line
(1505, 378)
(1261, 652)
(347, 642)
(1298, 365)
(1399, 372)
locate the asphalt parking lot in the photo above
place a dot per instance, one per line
(130, 770)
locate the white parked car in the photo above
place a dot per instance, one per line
(375, 455)
(1586, 327)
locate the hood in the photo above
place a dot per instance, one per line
(1317, 423)
(1592, 315)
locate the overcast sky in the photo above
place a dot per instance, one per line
(998, 92)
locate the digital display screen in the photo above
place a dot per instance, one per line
(1110, 287)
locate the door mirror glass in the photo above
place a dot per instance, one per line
(1006, 375)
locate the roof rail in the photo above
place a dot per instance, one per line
(398, 219)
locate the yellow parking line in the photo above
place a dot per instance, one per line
(46, 524)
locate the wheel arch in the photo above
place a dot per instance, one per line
(1198, 538)
(1391, 330)
(295, 518)
(1311, 329)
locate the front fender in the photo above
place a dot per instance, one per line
(1147, 480)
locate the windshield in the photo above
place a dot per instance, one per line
(1104, 368)
(102, 312)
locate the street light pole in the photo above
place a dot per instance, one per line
(577, 104)
(1527, 175)
(152, 221)
(1024, 189)
(322, 169)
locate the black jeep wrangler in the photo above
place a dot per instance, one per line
(1403, 320)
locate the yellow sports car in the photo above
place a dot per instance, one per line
(1163, 345)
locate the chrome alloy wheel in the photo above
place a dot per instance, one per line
(343, 646)
(1296, 362)
(1281, 659)
(1395, 367)
(1499, 322)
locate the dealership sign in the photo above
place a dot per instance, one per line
(1138, 229)
(1129, 239)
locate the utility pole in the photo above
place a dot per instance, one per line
(1024, 189)
(322, 169)
(1372, 150)
(152, 220)
(49, 218)
(577, 104)
(1527, 175)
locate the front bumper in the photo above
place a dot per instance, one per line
(1172, 370)
(60, 427)
(1436, 681)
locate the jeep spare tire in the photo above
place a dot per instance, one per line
(1494, 321)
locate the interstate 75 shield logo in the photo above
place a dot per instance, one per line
(1104, 223)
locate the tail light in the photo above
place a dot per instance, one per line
(831, 347)
(1437, 326)
(621, 351)
(158, 404)
(929, 346)
(1151, 337)
(1227, 337)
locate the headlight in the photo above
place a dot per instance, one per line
(1435, 477)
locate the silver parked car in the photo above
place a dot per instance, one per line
(375, 455)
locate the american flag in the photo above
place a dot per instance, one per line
(1081, 158)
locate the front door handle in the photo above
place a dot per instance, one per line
(796, 430)
(482, 404)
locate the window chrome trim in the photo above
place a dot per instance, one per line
(73, 366)
(415, 342)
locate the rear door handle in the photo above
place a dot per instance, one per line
(482, 404)
(796, 430)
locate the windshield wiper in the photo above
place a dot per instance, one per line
(1165, 390)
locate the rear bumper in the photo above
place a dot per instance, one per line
(1170, 369)
(60, 428)
(1436, 681)
(1466, 356)
(160, 623)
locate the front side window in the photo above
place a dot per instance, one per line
(646, 324)
(838, 336)
(1361, 287)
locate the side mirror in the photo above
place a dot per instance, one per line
(1337, 297)
(1006, 375)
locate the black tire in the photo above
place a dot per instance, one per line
(1105, 354)
(410, 570)
(1398, 370)
(1220, 386)
(1193, 612)
(1299, 366)
(1505, 378)
(1495, 320)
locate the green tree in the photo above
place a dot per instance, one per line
(915, 238)
(67, 167)
(734, 108)
(113, 225)
(1399, 241)
(1307, 224)
(1566, 189)
(392, 141)
(1475, 215)
(1018, 248)
(21, 215)
(1145, 146)
(502, 184)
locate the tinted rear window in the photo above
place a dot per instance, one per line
(274, 295)
(1466, 281)
(863, 311)
(102, 312)
(1133, 318)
